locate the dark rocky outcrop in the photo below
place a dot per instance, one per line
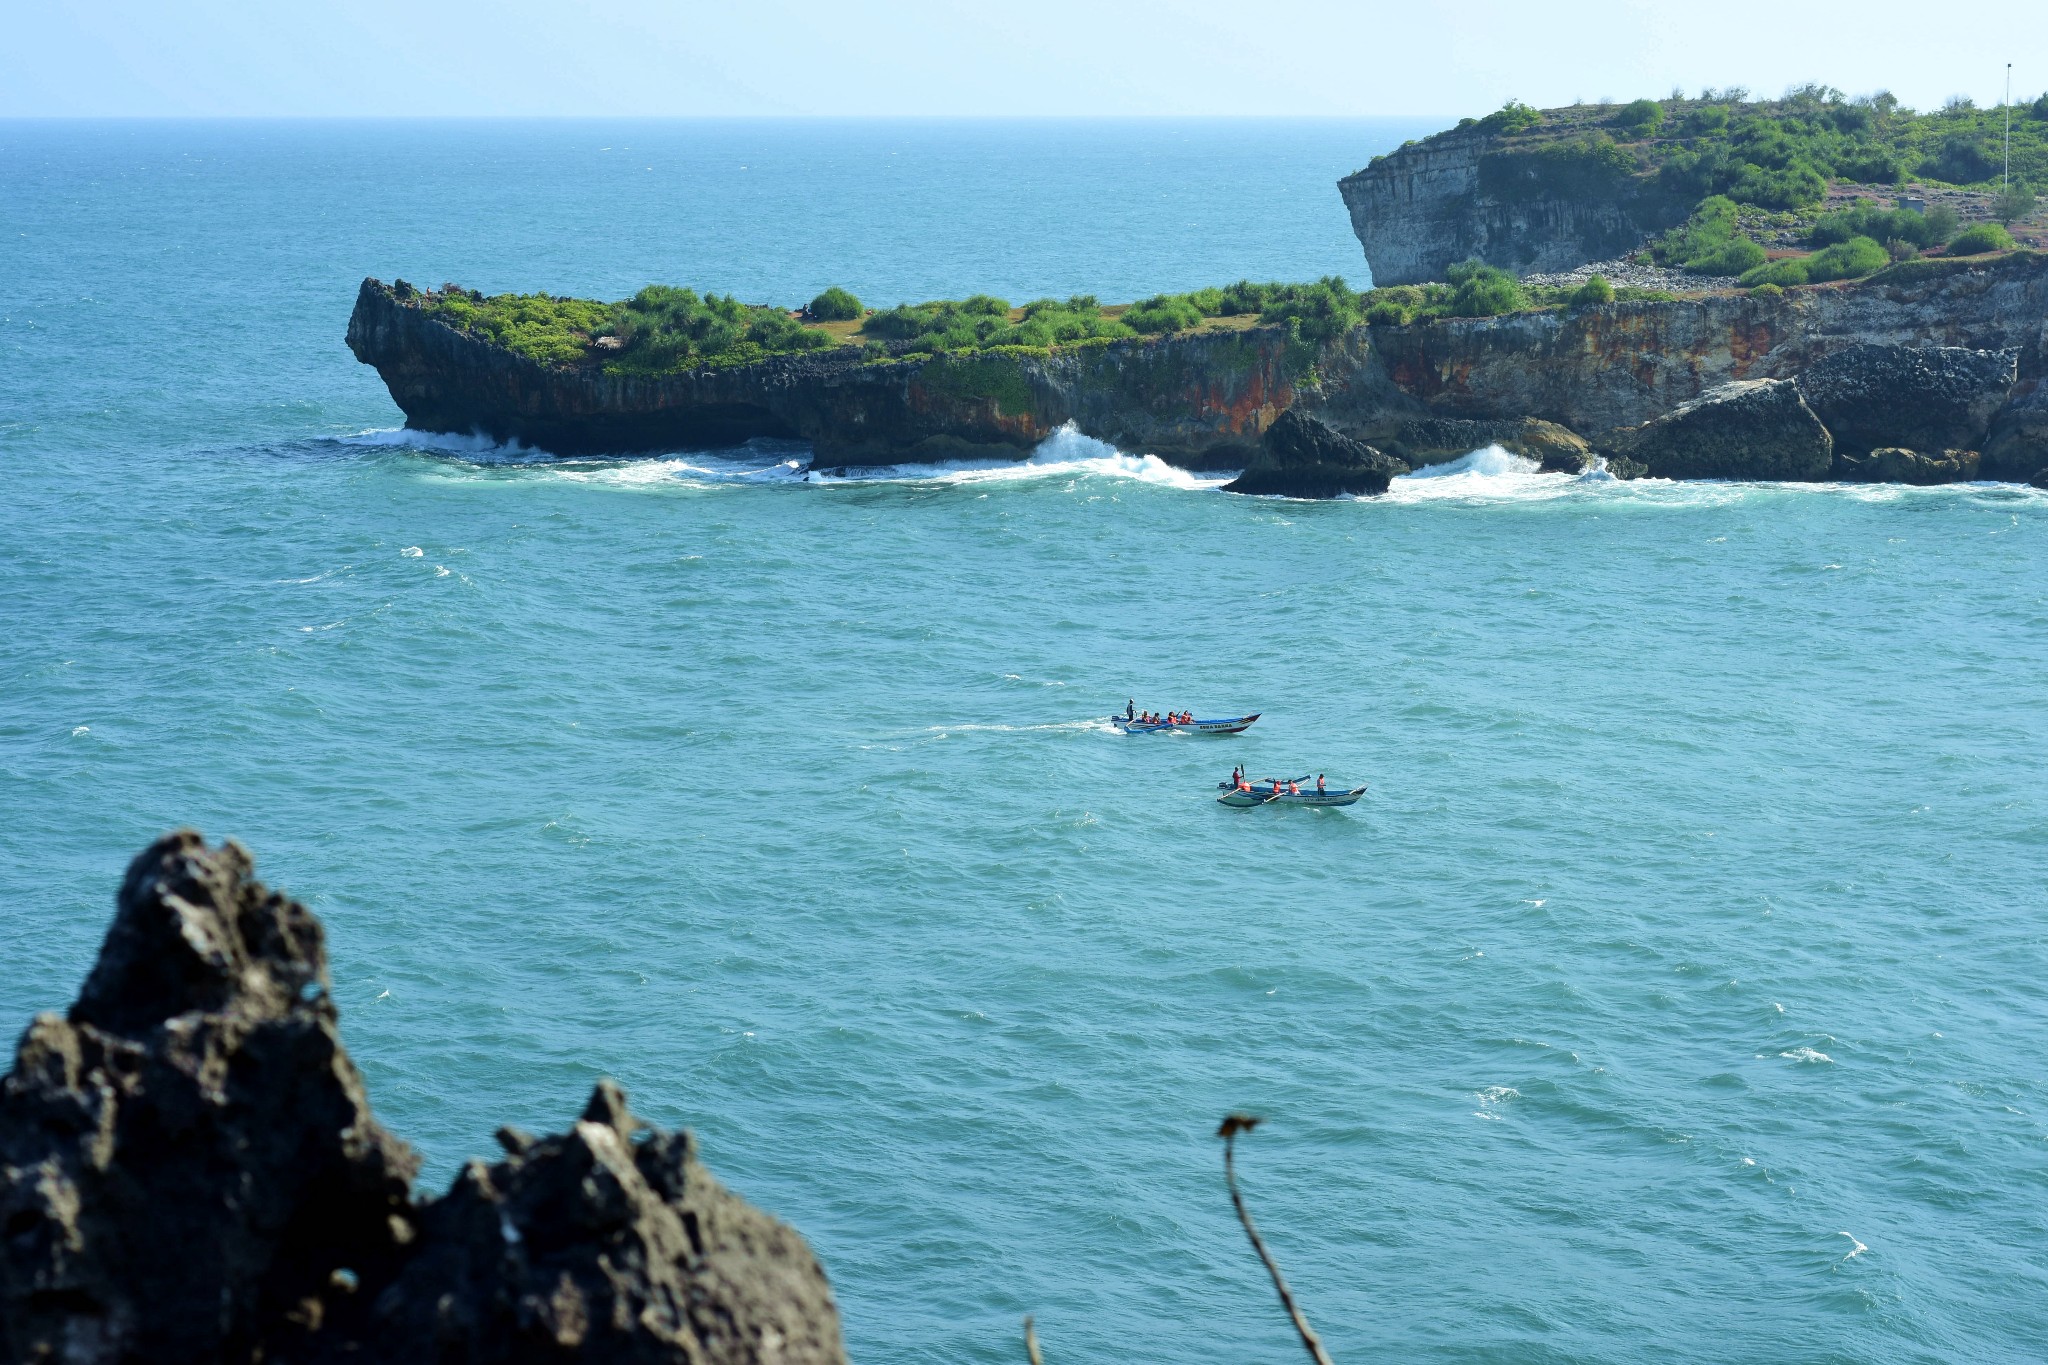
(1916, 397)
(2017, 447)
(190, 1173)
(1439, 440)
(596, 1246)
(1305, 458)
(1749, 429)
(1891, 464)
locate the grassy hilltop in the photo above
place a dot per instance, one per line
(1805, 189)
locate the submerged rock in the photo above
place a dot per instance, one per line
(1891, 464)
(1748, 429)
(1910, 397)
(1305, 457)
(1439, 440)
(190, 1172)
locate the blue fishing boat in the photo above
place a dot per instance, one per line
(1235, 725)
(1272, 791)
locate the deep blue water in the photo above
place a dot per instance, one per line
(1677, 991)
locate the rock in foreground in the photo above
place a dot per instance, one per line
(1302, 457)
(190, 1172)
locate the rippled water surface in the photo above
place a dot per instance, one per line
(1676, 991)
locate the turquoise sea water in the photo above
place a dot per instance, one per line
(1677, 991)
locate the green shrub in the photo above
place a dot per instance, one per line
(1961, 159)
(1732, 258)
(1942, 225)
(1711, 227)
(659, 330)
(1482, 291)
(1244, 297)
(1511, 118)
(1980, 238)
(1317, 312)
(1163, 313)
(1865, 219)
(1640, 117)
(1594, 290)
(1850, 260)
(835, 305)
(1781, 273)
(1768, 291)
(1792, 186)
(981, 321)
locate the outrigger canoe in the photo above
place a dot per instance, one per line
(1271, 793)
(1236, 725)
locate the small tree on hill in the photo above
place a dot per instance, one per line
(835, 305)
(1639, 117)
(2014, 203)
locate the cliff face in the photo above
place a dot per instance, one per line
(1622, 364)
(1460, 195)
(1200, 400)
(190, 1174)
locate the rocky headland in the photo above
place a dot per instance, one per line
(1942, 355)
(190, 1174)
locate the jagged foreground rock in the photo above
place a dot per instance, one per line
(190, 1172)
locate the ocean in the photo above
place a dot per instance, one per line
(1677, 990)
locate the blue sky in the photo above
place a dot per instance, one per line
(920, 57)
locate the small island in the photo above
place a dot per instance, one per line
(1706, 288)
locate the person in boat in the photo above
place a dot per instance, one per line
(1130, 708)
(1294, 789)
(1320, 789)
(1237, 776)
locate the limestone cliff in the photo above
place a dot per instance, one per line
(1621, 364)
(1201, 400)
(1524, 207)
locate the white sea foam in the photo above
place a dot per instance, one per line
(1856, 1248)
(1493, 475)
(1066, 454)
(1806, 1054)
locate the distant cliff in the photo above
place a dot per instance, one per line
(1524, 206)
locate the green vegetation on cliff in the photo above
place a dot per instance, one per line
(982, 321)
(1773, 154)
(658, 330)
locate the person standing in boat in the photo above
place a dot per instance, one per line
(1319, 784)
(1130, 708)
